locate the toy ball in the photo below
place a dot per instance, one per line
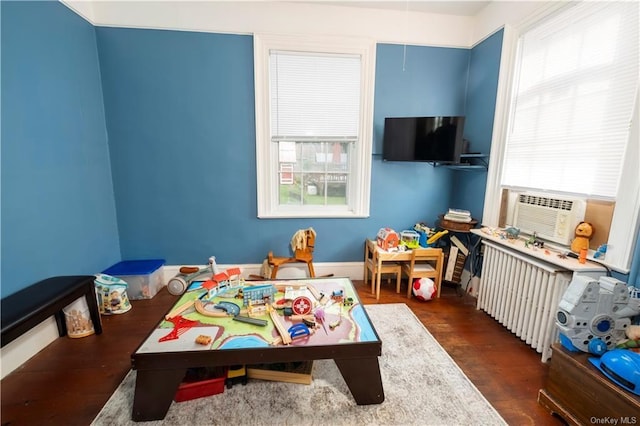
(424, 289)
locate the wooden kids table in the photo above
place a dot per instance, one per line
(170, 349)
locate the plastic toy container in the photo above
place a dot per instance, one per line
(78, 320)
(144, 277)
(211, 384)
(112, 295)
(189, 391)
(409, 238)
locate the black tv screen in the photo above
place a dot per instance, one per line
(432, 139)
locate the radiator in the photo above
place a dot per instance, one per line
(522, 294)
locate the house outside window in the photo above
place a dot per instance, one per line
(313, 126)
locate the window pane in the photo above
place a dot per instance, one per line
(318, 175)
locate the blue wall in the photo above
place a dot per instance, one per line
(427, 81)
(179, 115)
(482, 90)
(58, 211)
(180, 118)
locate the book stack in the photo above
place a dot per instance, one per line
(458, 215)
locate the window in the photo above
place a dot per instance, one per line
(566, 121)
(313, 126)
(577, 76)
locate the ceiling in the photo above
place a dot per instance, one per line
(452, 7)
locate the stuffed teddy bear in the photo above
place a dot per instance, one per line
(583, 233)
(633, 332)
(633, 339)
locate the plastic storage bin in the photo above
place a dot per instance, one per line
(144, 277)
(200, 383)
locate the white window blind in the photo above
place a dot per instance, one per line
(314, 96)
(574, 95)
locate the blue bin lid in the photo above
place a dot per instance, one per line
(134, 267)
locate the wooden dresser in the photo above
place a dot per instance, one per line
(579, 393)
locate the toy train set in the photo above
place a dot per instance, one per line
(227, 313)
(232, 314)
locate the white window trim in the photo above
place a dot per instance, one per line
(266, 167)
(626, 221)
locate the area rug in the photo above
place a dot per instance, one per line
(422, 386)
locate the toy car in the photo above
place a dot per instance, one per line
(236, 374)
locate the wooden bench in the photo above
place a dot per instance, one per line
(30, 306)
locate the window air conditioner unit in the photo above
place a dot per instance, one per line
(551, 218)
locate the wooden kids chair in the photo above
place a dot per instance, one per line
(425, 263)
(302, 244)
(375, 267)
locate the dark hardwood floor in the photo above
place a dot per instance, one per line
(71, 379)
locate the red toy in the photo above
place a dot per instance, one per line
(388, 239)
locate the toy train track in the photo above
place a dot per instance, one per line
(249, 320)
(180, 309)
(231, 308)
(225, 310)
(321, 298)
(201, 308)
(280, 327)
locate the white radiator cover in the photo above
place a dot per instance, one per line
(523, 295)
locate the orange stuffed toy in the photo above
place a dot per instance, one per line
(583, 233)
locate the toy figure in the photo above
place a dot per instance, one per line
(512, 233)
(583, 233)
(534, 241)
(600, 252)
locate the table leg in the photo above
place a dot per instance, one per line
(366, 270)
(154, 392)
(61, 323)
(438, 280)
(378, 274)
(373, 283)
(94, 310)
(362, 376)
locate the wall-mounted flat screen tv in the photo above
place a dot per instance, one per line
(432, 139)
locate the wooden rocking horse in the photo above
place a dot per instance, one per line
(302, 244)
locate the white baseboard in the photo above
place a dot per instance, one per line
(29, 344)
(24, 347)
(352, 270)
